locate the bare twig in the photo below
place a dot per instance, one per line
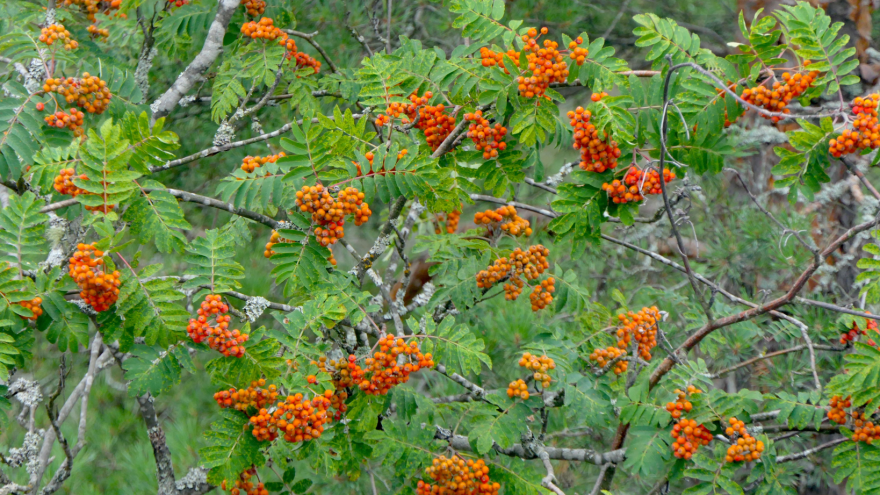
(360, 39)
(813, 249)
(664, 128)
(809, 452)
(237, 144)
(771, 355)
(310, 37)
(476, 391)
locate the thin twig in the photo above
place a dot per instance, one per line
(812, 249)
(310, 37)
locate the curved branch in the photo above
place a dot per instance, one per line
(220, 205)
(310, 37)
(203, 61)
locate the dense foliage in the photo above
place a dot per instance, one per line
(291, 250)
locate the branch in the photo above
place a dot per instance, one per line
(382, 242)
(237, 144)
(548, 481)
(772, 355)
(214, 203)
(540, 185)
(809, 452)
(832, 307)
(164, 467)
(760, 110)
(203, 61)
(474, 390)
(447, 143)
(664, 128)
(49, 438)
(854, 169)
(459, 442)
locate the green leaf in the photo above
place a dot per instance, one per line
(152, 369)
(232, 448)
(454, 346)
(158, 215)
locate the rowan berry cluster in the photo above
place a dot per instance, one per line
(744, 447)
(275, 238)
(433, 121)
(64, 185)
(244, 486)
(99, 289)
(727, 122)
(682, 405)
(72, 120)
(97, 32)
(254, 7)
(598, 96)
(855, 331)
(547, 65)
(531, 264)
(487, 138)
(597, 154)
(178, 3)
(251, 163)
(865, 133)
(56, 32)
(296, 419)
(578, 54)
(837, 413)
(778, 98)
(518, 388)
(865, 430)
(34, 306)
(542, 294)
(337, 403)
(329, 212)
(636, 183)
(603, 357)
(506, 219)
(93, 7)
(304, 60)
(254, 396)
(388, 368)
(539, 366)
(490, 58)
(219, 337)
(344, 373)
(451, 221)
(689, 436)
(264, 29)
(88, 92)
(641, 327)
(64, 182)
(456, 476)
